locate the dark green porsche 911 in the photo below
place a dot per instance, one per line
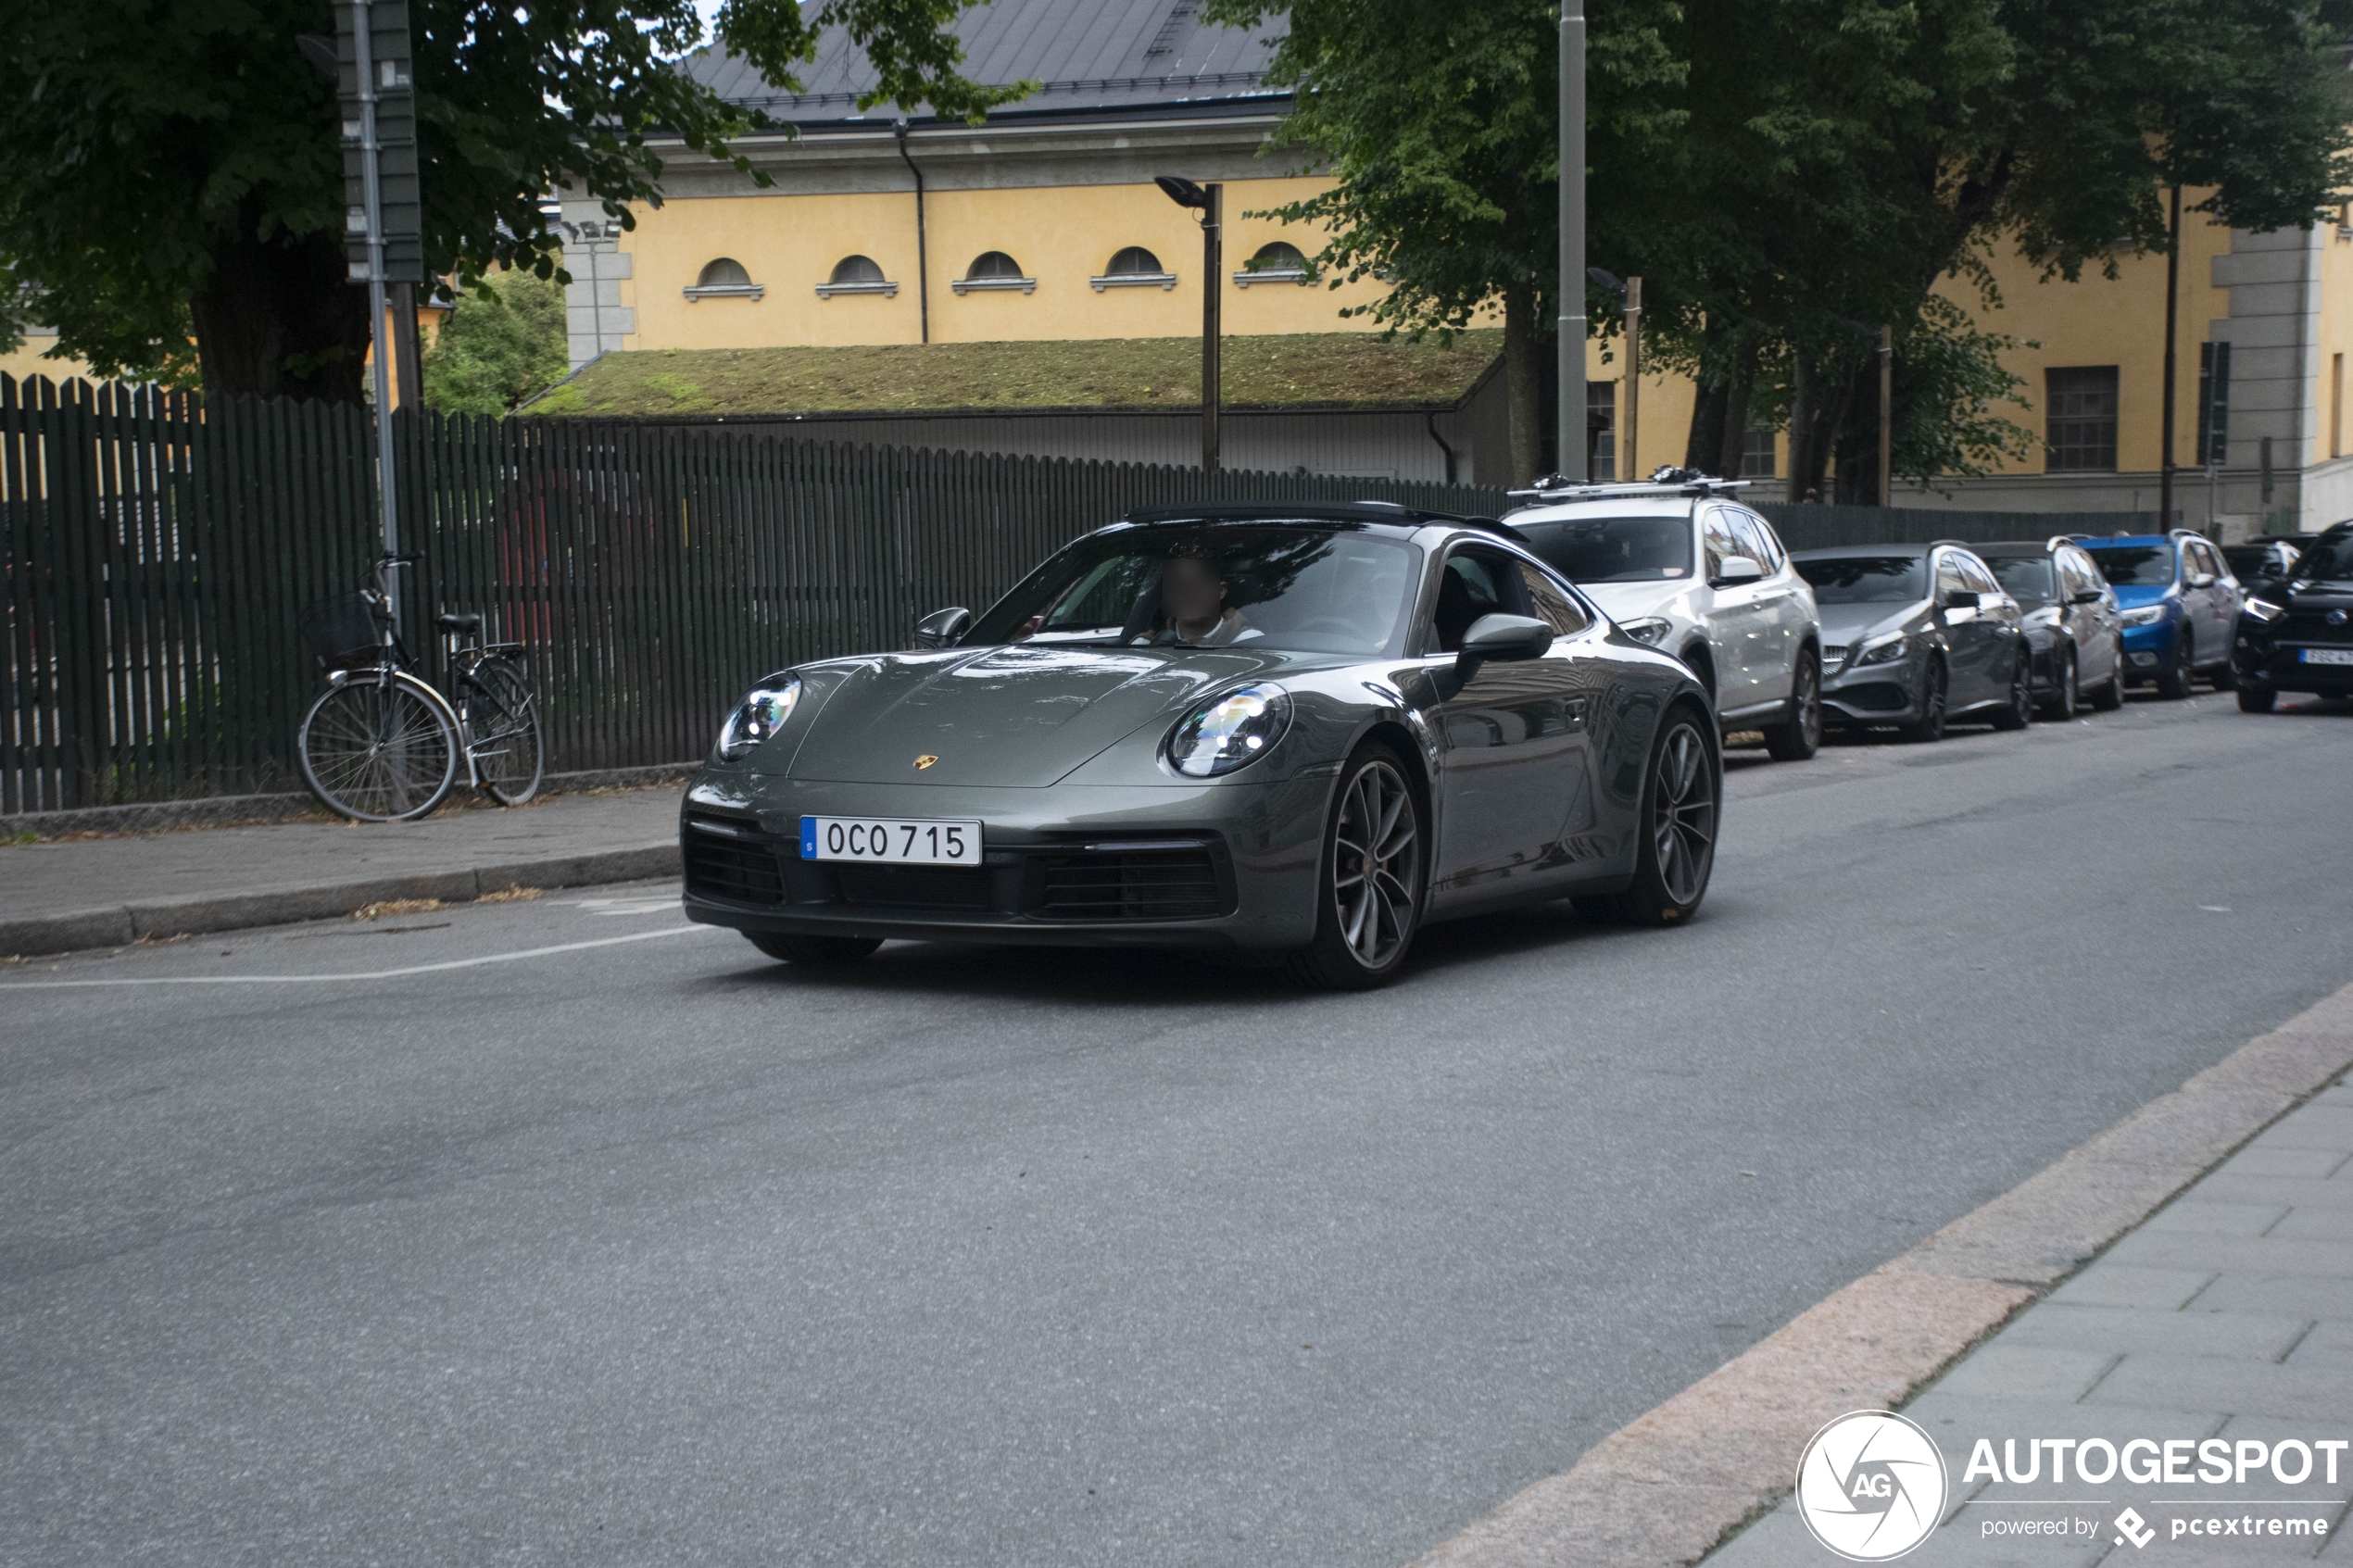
(1301, 729)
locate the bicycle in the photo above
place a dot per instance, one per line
(382, 744)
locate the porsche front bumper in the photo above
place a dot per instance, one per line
(1221, 865)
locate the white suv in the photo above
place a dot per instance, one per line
(1681, 564)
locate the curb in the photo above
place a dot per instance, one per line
(119, 925)
(1669, 1486)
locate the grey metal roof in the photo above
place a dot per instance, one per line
(1120, 56)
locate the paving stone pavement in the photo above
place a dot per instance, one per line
(2228, 1315)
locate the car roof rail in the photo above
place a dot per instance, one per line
(1664, 484)
(2055, 540)
(1943, 543)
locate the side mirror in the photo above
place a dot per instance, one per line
(1735, 568)
(942, 627)
(2086, 596)
(1962, 598)
(2201, 580)
(1501, 638)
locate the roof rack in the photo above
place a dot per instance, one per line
(1663, 484)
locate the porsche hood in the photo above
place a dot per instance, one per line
(1023, 716)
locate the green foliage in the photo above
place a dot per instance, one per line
(171, 168)
(503, 342)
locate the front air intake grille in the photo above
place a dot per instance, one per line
(733, 869)
(915, 887)
(2311, 626)
(1874, 697)
(1179, 884)
(1835, 656)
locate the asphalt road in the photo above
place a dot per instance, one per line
(654, 1251)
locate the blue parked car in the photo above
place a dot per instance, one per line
(2180, 603)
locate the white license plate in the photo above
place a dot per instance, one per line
(890, 839)
(2328, 656)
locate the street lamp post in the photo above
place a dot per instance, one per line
(1571, 438)
(1209, 201)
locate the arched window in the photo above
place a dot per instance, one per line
(1276, 262)
(1134, 267)
(857, 274)
(994, 269)
(724, 278)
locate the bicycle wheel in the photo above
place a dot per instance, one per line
(378, 751)
(502, 729)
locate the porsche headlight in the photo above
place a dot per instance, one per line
(1886, 651)
(760, 714)
(2264, 610)
(1651, 629)
(1230, 733)
(2148, 615)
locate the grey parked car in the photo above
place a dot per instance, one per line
(1289, 729)
(1914, 635)
(2072, 623)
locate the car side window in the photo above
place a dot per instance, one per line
(1715, 533)
(1550, 606)
(1948, 577)
(1476, 582)
(1976, 576)
(1757, 541)
(2208, 561)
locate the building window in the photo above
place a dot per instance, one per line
(857, 274)
(994, 269)
(724, 278)
(1601, 429)
(1275, 263)
(1134, 267)
(2081, 424)
(1758, 458)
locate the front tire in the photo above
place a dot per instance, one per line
(2019, 712)
(2173, 682)
(2225, 676)
(1930, 726)
(2258, 699)
(813, 952)
(1682, 800)
(1801, 736)
(2069, 700)
(1368, 895)
(2110, 695)
(378, 749)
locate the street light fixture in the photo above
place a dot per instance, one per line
(1208, 200)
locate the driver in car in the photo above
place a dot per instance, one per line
(1193, 608)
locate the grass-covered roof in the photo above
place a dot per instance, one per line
(1302, 370)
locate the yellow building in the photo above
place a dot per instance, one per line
(1044, 224)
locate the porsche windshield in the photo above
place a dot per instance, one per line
(1864, 580)
(1298, 588)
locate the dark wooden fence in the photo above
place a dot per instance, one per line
(157, 555)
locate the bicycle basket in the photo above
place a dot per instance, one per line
(343, 630)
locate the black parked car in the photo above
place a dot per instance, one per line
(2072, 623)
(1914, 634)
(2265, 566)
(2299, 637)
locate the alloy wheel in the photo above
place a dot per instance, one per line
(1683, 815)
(1376, 864)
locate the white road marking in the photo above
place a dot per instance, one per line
(364, 974)
(639, 905)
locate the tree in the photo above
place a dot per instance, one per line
(1440, 124)
(170, 171)
(504, 342)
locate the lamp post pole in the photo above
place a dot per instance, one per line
(1572, 439)
(1633, 376)
(1213, 238)
(2172, 311)
(1886, 416)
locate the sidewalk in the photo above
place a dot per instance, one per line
(2228, 1314)
(105, 892)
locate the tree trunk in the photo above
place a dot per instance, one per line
(1801, 423)
(1735, 444)
(1523, 387)
(1858, 443)
(1705, 447)
(278, 319)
